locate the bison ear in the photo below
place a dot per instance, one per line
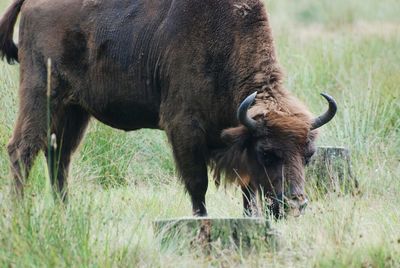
(235, 134)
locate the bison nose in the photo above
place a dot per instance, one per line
(303, 204)
(297, 205)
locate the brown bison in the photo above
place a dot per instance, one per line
(181, 66)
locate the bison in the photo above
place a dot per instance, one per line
(204, 71)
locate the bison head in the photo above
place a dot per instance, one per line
(271, 151)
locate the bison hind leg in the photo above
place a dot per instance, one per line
(29, 137)
(68, 122)
(68, 130)
(22, 154)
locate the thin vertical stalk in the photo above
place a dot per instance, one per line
(48, 95)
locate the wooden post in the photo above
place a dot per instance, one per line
(330, 171)
(226, 232)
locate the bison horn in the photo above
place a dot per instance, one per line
(328, 115)
(243, 118)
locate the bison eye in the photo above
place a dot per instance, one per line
(270, 158)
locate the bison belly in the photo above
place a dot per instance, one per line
(126, 115)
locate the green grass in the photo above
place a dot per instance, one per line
(121, 182)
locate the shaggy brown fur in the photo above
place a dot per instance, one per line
(181, 66)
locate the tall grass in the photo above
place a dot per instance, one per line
(120, 182)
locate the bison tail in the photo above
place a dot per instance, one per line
(8, 49)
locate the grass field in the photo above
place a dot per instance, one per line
(121, 182)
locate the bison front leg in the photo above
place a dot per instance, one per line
(189, 153)
(250, 206)
(196, 183)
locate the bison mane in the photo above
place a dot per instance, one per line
(230, 163)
